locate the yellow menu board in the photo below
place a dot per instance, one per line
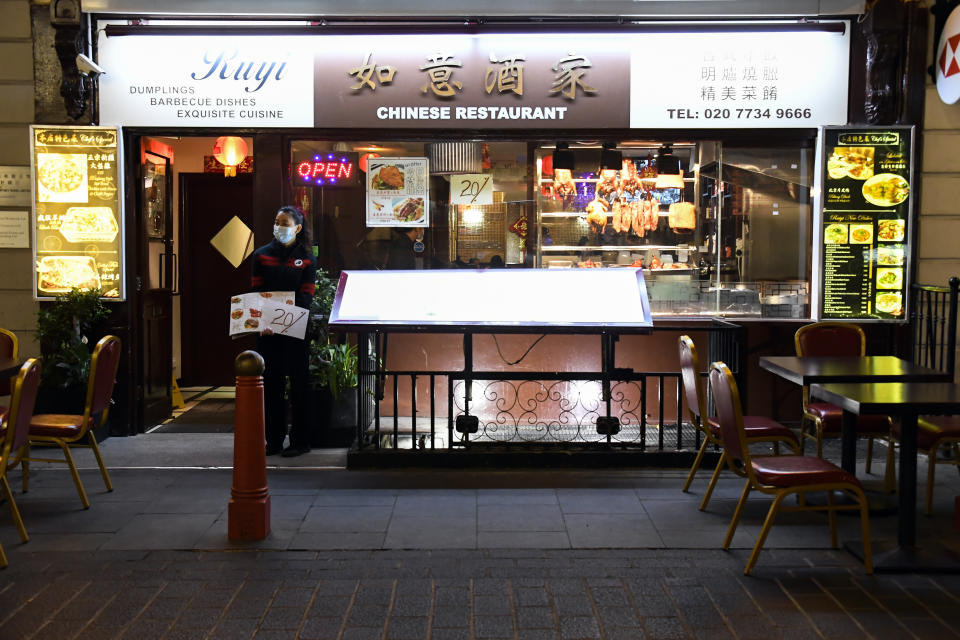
(77, 222)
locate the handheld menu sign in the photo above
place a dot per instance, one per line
(274, 310)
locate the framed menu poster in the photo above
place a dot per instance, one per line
(398, 192)
(77, 222)
(867, 220)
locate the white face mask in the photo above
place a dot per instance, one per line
(284, 235)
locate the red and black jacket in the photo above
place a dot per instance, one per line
(280, 268)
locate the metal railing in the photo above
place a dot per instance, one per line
(933, 323)
(535, 409)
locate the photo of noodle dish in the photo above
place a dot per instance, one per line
(889, 278)
(861, 233)
(835, 234)
(886, 190)
(408, 209)
(891, 303)
(890, 256)
(890, 230)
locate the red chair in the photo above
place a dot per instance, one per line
(780, 476)
(15, 443)
(839, 339)
(9, 348)
(68, 430)
(934, 432)
(758, 428)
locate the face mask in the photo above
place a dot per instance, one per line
(284, 235)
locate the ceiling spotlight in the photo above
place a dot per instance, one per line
(667, 162)
(563, 157)
(610, 158)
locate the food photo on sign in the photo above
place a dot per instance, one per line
(397, 192)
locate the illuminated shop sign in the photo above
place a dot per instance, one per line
(327, 169)
(744, 79)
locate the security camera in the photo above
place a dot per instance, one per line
(88, 67)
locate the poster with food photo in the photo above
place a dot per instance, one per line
(77, 222)
(866, 214)
(398, 192)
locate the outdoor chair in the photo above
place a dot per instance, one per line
(9, 348)
(69, 430)
(14, 443)
(839, 339)
(934, 432)
(758, 428)
(780, 476)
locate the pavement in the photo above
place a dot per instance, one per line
(438, 554)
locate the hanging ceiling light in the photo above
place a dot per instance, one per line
(666, 161)
(610, 158)
(230, 151)
(563, 157)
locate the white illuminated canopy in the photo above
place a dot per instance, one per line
(578, 300)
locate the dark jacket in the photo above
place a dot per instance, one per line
(280, 268)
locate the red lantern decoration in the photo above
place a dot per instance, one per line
(364, 158)
(230, 151)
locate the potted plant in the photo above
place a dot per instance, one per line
(333, 372)
(67, 330)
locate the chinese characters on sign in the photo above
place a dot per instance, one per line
(14, 186)
(76, 213)
(866, 215)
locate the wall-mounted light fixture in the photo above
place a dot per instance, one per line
(563, 157)
(610, 158)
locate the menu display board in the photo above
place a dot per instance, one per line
(77, 224)
(398, 192)
(866, 222)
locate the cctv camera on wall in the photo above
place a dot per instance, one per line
(88, 67)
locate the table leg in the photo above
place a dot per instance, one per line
(848, 442)
(907, 523)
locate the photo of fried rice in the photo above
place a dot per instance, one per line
(236, 314)
(62, 177)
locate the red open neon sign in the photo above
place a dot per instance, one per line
(327, 169)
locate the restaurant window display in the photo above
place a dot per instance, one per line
(717, 230)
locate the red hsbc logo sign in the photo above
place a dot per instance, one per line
(948, 62)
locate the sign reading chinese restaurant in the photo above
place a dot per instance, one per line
(866, 222)
(77, 226)
(685, 79)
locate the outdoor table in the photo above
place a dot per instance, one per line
(808, 370)
(906, 400)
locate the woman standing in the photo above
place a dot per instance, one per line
(286, 263)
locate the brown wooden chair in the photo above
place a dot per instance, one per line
(69, 430)
(14, 443)
(9, 348)
(780, 476)
(758, 428)
(839, 339)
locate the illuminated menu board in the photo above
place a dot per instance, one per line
(866, 220)
(77, 226)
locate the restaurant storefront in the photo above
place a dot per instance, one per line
(715, 154)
